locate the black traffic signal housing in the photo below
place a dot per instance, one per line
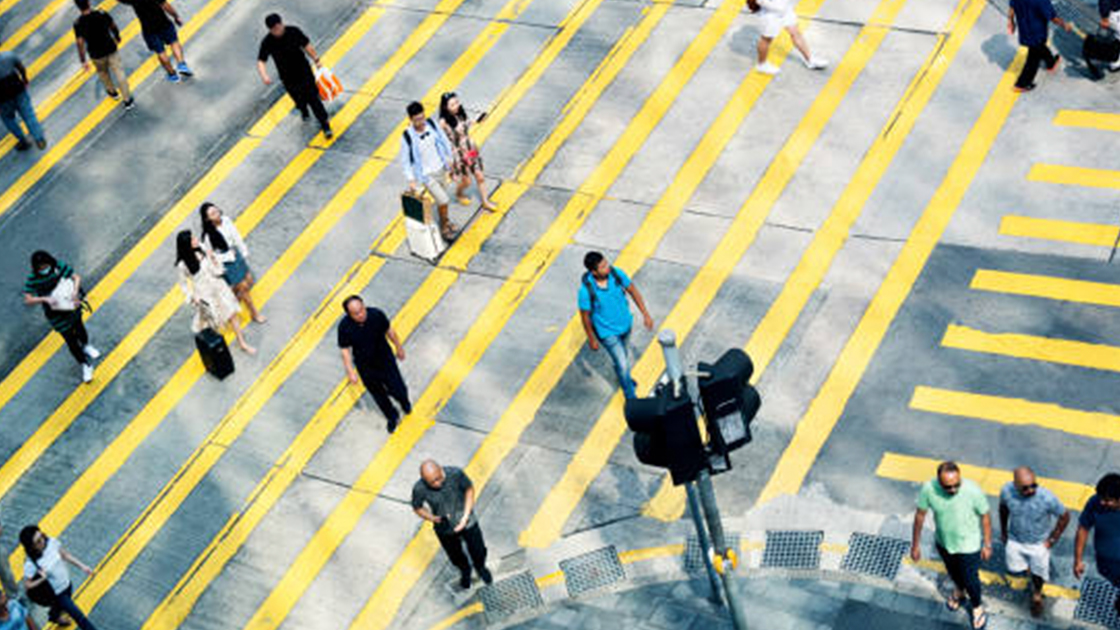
(666, 434)
(729, 401)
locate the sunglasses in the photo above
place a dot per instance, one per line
(1029, 486)
(951, 486)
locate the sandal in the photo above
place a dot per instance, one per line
(953, 602)
(1036, 606)
(979, 619)
(466, 201)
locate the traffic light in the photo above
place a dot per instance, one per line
(666, 434)
(729, 401)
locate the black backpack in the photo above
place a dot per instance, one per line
(408, 141)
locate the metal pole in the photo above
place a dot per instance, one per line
(673, 367)
(715, 527)
(697, 515)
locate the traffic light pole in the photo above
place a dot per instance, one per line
(697, 514)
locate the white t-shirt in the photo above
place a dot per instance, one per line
(779, 7)
(52, 564)
(229, 231)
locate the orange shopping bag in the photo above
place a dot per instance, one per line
(328, 84)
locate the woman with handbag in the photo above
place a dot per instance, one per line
(55, 285)
(221, 238)
(200, 277)
(46, 578)
(468, 162)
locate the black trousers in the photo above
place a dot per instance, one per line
(76, 340)
(308, 96)
(383, 386)
(964, 570)
(1035, 56)
(453, 544)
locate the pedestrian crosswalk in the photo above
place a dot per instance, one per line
(613, 91)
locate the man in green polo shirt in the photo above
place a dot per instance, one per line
(960, 514)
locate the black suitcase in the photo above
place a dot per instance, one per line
(1102, 48)
(214, 352)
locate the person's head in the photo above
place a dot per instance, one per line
(210, 214)
(275, 24)
(597, 264)
(355, 308)
(949, 477)
(186, 250)
(1108, 491)
(42, 263)
(432, 474)
(33, 540)
(83, 5)
(450, 109)
(1025, 483)
(211, 217)
(416, 116)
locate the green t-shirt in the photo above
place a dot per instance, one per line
(957, 517)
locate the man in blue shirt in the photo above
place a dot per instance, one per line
(1101, 514)
(1033, 19)
(1031, 520)
(605, 312)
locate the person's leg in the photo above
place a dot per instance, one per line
(8, 117)
(165, 61)
(480, 179)
(320, 112)
(398, 390)
(970, 575)
(121, 79)
(764, 49)
(476, 547)
(74, 345)
(27, 112)
(244, 293)
(380, 396)
(453, 546)
(102, 67)
(66, 603)
(436, 188)
(1030, 68)
(616, 347)
(177, 51)
(799, 41)
(953, 568)
(235, 323)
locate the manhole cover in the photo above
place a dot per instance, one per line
(792, 550)
(1097, 603)
(507, 596)
(878, 556)
(592, 571)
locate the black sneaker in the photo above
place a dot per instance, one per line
(392, 426)
(42, 144)
(487, 578)
(1028, 88)
(113, 94)
(129, 104)
(22, 146)
(328, 134)
(465, 580)
(305, 115)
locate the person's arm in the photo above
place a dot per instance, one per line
(1059, 529)
(237, 243)
(311, 52)
(348, 363)
(1010, 21)
(170, 10)
(589, 328)
(986, 526)
(1062, 23)
(468, 507)
(69, 557)
(81, 44)
(647, 321)
(396, 341)
(1004, 515)
(916, 535)
(406, 162)
(423, 513)
(185, 283)
(31, 300)
(113, 30)
(1079, 551)
(77, 285)
(262, 70)
(22, 72)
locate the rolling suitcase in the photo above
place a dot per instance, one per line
(424, 238)
(1100, 48)
(214, 352)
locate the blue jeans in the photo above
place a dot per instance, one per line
(618, 346)
(64, 602)
(22, 105)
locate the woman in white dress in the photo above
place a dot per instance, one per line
(221, 238)
(200, 276)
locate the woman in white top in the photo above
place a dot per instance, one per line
(776, 15)
(46, 563)
(221, 238)
(200, 277)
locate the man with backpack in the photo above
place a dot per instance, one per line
(426, 157)
(606, 316)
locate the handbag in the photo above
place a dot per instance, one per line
(42, 593)
(62, 296)
(327, 83)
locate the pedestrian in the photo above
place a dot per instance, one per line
(445, 498)
(1110, 19)
(45, 563)
(96, 32)
(960, 514)
(1031, 521)
(58, 289)
(427, 157)
(606, 316)
(468, 162)
(159, 33)
(1032, 18)
(287, 46)
(221, 238)
(13, 614)
(14, 99)
(364, 335)
(1101, 515)
(775, 16)
(200, 278)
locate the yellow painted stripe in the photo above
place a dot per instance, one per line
(588, 462)
(824, 412)
(1049, 287)
(23, 32)
(1074, 176)
(1059, 230)
(6, 5)
(1017, 412)
(1065, 351)
(991, 480)
(1092, 120)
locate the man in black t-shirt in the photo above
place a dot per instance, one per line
(159, 33)
(363, 336)
(96, 32)
(287, 46)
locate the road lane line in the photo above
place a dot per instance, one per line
(1017, 412)
(1059, 230)
(1074, 176)
(1048, 287)
(825, 410)
(1090, 120)
(1048, 349)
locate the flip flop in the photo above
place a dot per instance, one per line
(953, 603)
(979, 621)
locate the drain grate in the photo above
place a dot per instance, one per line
(694, 555)
(592, 571)
(878, 556)
(793, 550)
(510, 595)
(1097, 603)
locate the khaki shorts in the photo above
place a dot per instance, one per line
(437, 187)
(1036, 557)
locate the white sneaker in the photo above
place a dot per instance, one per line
(1115, 67)
(87, 372)
(91, 352)
(816, 63)
(768, 68)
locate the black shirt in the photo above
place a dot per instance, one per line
(153, 19)
(287, 51)
(97, 29)
(372, 354)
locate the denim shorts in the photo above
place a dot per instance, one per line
(160, 40)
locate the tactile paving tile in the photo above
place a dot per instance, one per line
(592, 571)
(878, 556)
(793, 550)
(694, 555)
(507, 596)
(1097, 603)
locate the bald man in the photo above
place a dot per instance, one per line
(1031, 521)
(445, 498)
(364, 335)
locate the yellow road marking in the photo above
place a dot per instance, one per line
(6, 5)
(1049, 287)
(1017, 412)
(172, 219)
(40, 18)
(1059, 230)
(991, 480)
(1065, 351)
(1074, 176)
(824, 412)
(608, 430)
(1092, 120)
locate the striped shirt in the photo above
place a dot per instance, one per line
(42, 285)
